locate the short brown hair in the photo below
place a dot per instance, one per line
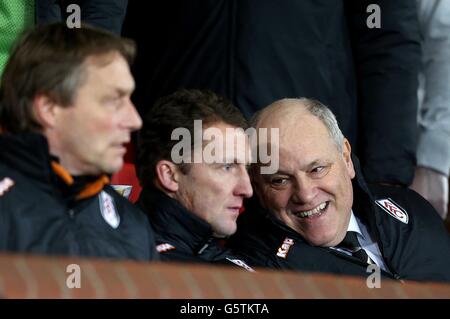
(50, 60)
(179, 109)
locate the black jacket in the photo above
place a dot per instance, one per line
(39, 213)
(418, 250)
(257, 51)
(181, 235)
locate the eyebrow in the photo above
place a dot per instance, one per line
(234, 160)
(314, 163)
(122, 91)
(307, 167)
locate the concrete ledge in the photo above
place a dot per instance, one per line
(25, 276)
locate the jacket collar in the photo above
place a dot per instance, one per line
(171, 220)
(28, 153)
(363, 200)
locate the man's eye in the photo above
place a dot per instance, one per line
(278, 181)
(318, 169)
(115, 101)
(227, 167)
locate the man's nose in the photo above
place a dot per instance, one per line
(244, 187)
(133, 120)
(305, 190)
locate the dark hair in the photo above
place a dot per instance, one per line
(50, 60)
(179, 109)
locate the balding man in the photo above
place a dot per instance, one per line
(316, 213)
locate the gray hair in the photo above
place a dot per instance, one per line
(317, 109)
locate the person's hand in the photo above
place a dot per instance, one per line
(433, 186)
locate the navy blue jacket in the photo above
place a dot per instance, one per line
(40, 213)
(182, 236)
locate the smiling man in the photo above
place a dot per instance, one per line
(194, 202)
(318, 214)
(66, 115)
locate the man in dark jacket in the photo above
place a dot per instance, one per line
(193, 189)
(66, 115)
(254, 52)
(314, 219)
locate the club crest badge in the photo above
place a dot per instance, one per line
(108, 210)
(393, 209)
(124, 190)
(162, 248)
(240, 263)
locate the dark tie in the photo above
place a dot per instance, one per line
(352, 245)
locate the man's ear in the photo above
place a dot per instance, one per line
(44, 109)
(167, 175)
(347, 154)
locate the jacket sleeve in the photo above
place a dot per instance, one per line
(434, 141)
(3, 226)
(154, 255)
(386, 66)
(431, 258)
(4, 220)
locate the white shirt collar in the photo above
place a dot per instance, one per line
(364, 238)
(353, 225)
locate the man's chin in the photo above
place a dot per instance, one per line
(321, 241)
(114, 166)
(224, 233)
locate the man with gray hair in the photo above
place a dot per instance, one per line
(316, 213)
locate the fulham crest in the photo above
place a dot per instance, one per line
(162, 248)
(393, 209)
(240, 263)
(108, 210)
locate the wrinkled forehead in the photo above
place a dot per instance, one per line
(294, 124)
(298, 136)
(109, 71)
(281, 114)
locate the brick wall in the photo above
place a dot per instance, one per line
(45, 277)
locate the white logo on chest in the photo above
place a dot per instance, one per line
(393, 209)
(241, 263)
(108, 210)
(284, 248)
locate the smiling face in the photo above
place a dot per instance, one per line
(89, 136)
(312, 191)
(215, 191)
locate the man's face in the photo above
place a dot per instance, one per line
(215, 192)
(92, 132)
(312, 191)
